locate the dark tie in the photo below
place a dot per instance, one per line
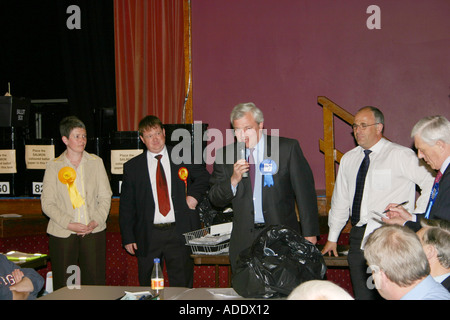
(251, 170)
(434, 193)
(360, 180)
(161, 188)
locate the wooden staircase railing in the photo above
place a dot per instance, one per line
(327, 145)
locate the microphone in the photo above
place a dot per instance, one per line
(241, 155)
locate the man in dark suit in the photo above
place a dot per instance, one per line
(432, 140)
(148, 230)
(281, 178)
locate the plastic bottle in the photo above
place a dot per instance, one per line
(157, 280)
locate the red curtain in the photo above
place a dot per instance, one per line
(149, 48)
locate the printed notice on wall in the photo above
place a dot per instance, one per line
(37, 156)
(119, 157)
(8, 161)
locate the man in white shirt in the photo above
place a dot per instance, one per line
(393, 173)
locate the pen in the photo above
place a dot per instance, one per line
(400, 204)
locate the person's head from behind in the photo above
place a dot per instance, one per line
(397, 260)
(319, 290)
(435, 238)
(73, 133)
(152, 133)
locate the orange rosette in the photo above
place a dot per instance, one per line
(183, 174)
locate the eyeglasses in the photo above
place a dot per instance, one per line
(363, 126)
(156, 134)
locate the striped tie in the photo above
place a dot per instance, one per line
(360, 180)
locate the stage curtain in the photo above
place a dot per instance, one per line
(88, 61)
(149, 58)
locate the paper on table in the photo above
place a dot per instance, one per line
(218, 233)
(222, 228)
(226, 293)
(210, 239)
(135, 295)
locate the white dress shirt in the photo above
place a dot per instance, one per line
(152, 165)
(393, 173)
(258, 156)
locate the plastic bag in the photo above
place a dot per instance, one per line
(277, 262)
(210, 215)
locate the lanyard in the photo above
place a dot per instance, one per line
(433, 195)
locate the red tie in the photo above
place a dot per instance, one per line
(161, 187)
(438, 177)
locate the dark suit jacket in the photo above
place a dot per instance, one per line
(446, 283)
(137, 206)
(293, 181)
(441, 207)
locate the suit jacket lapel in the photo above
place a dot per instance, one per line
(146, 176)
(446, 173)
(173, 169)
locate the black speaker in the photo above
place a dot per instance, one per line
(124, 145)
(177, 134)
(14, 112)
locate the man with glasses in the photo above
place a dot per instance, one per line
(432, 140)
(392, 173)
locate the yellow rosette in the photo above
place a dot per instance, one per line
(67, 176)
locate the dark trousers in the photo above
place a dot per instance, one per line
(236, 249)
(363, 288)
(170, 248)
(88, 253)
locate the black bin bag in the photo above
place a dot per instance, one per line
(277, 262)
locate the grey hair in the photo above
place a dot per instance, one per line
(432, 129)
(437, 234)
(397, 251)
(319, 290)
(241, 109)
